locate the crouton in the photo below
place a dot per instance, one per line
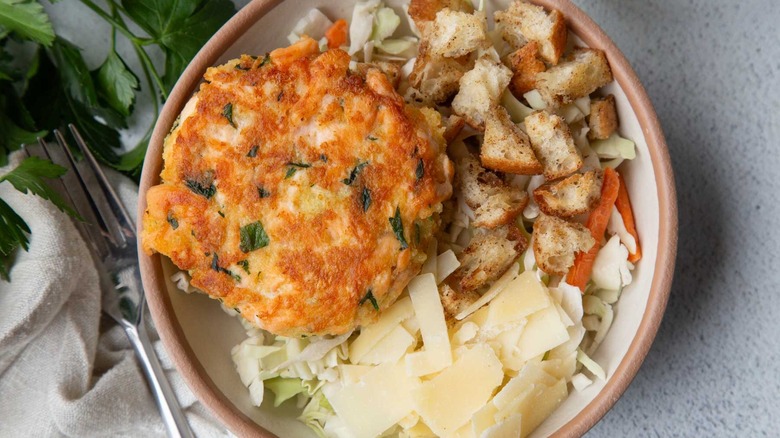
(453, 34)
(452, 127)
(553, 144)
(569, 197)
(480, 90)
(523, 22)
(422, 12)
(495, 202)
(489, 254)
(557, 241)
(506, 148)
(581, 73)
(525, 64)
(454, 301)
(390, 69)
(435, 79)
(603, 120)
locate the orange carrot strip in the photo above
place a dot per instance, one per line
(337, 34)
(623, 205)
(302, 48)
(597, 224)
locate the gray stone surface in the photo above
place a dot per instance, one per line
(712, 70)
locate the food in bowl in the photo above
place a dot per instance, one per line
(495, 328)
(298, 193)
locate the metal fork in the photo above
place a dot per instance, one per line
(110, 233)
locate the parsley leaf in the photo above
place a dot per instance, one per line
(253, 237)
(27, 19)
(227, 112)
(370, 297)
(215, 266)
(354, 173)
(244, 265)
(13, 234)
(200, 188)
(252, 152)
(180, 27)
(420, 171)
(366, 198)
(398, 228)
(262, 192)
(29, 176)
(117, 84)
(172, 220)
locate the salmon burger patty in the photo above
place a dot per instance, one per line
(298, 192)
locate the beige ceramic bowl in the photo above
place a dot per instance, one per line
(199, 335)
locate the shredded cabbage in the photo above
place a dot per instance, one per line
(611, 268)
(386, 21)
(534, 98)
(517, 111)
(362, 24)
(284, 389)
(313, 24)
(591, 365)
(614, 147)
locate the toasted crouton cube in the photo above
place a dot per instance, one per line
(455, 34)
(525, 65)
(422, 12)
(581, 73)
(495, 203)
(553, 144)
(480, 90)
(557, 241)
(603, 120)
(435, 79)
(569, 197)
(455, 301)
(489, 254)
(452, 127)
(506, 148)
(523, 22)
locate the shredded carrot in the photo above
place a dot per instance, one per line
(337, 34)
(302, 48)
(597, 224)
(623, 205)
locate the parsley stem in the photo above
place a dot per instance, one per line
(137, 42)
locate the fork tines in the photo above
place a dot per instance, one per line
(91, 194)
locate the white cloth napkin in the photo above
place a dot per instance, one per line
(61, 373)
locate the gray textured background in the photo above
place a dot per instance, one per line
(712, 69)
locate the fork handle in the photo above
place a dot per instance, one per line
(172, 414)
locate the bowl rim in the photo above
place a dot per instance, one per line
(183, 356)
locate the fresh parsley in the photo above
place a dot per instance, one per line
(49, 85)
(27, 176)
(227, 112)
(253, 237)
(206, 190)
(253, 151)
(365, 198)
(215, 266)
(369, 296)
(398, 228)
(354, 173)
(262, 192)
(420, 171)
(172, 220)
(244, 265)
